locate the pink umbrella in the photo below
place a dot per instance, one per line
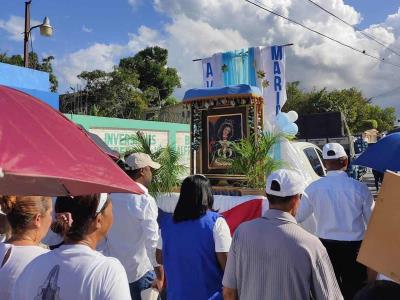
(44, 153)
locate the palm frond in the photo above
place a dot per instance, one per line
(253, 158)
(169, 175)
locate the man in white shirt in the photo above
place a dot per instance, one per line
(342, 208)
(134, 234)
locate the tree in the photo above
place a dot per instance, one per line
(113, 94)
(151, 66)
(385, 117)
(369, 124)
(45, 65)
(354, 106)
(135, 83)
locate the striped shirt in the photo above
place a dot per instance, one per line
(274, 258)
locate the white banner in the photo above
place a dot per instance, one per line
(273, 84)
(212, 71)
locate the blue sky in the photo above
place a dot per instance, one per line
(374, 11)
(111, 21)
(92, 34)
(78, 24)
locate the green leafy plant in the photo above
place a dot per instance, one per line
(253, 158)
(171, 171)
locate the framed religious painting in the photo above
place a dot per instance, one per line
(220, 118)
(222, 128)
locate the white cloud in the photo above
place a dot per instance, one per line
(100, 56)
(189, 39)
(86, 29)
(134, 3)
(15, 27)
(97, 56)
(199, 28)
(313, 60)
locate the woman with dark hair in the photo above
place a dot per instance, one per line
(29, 218)
(76, 270)
(195, 243)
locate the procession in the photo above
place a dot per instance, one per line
(151, 171)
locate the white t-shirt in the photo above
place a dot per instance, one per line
(221, 234)
(3, 237)
(73, 272)
(19, 257)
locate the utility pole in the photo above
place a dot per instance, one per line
(27, 32)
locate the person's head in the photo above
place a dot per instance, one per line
(335, 157)
(28, 216)
(195, 198)
(225, 131)
(139, 167)
(379, 290)
(284, 189)
(91, 214)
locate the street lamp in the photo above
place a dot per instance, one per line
(45, 30)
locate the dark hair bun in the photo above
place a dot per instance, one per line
(7, 203)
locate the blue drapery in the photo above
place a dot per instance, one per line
(238, 67)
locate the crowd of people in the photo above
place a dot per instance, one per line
(118, 246)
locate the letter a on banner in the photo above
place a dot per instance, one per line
(212, 74)
(208, 76)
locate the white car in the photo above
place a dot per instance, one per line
(303, 157)
(311, 157)
(306, 158)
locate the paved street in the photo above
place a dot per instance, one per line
(368, 178)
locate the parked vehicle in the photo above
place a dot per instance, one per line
(328, 127)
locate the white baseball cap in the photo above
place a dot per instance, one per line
(290, 183)
(140, 160)
(333, 151)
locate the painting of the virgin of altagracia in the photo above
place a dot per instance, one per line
(222, 132)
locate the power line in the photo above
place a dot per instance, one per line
(261, 5)
(387, 93)
(355, 28)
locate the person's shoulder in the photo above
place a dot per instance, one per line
(4, 248)
(30, 252)
(134, 202)
(358, 185)
(248, 226)
(315, 185)
(108, 264)
(38, 262)
(306, 240)
(123, 196)
(213, 215)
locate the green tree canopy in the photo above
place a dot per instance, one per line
(153, 73)
(356, 108)
(113, 94)
(34, 63)
(137, 82)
